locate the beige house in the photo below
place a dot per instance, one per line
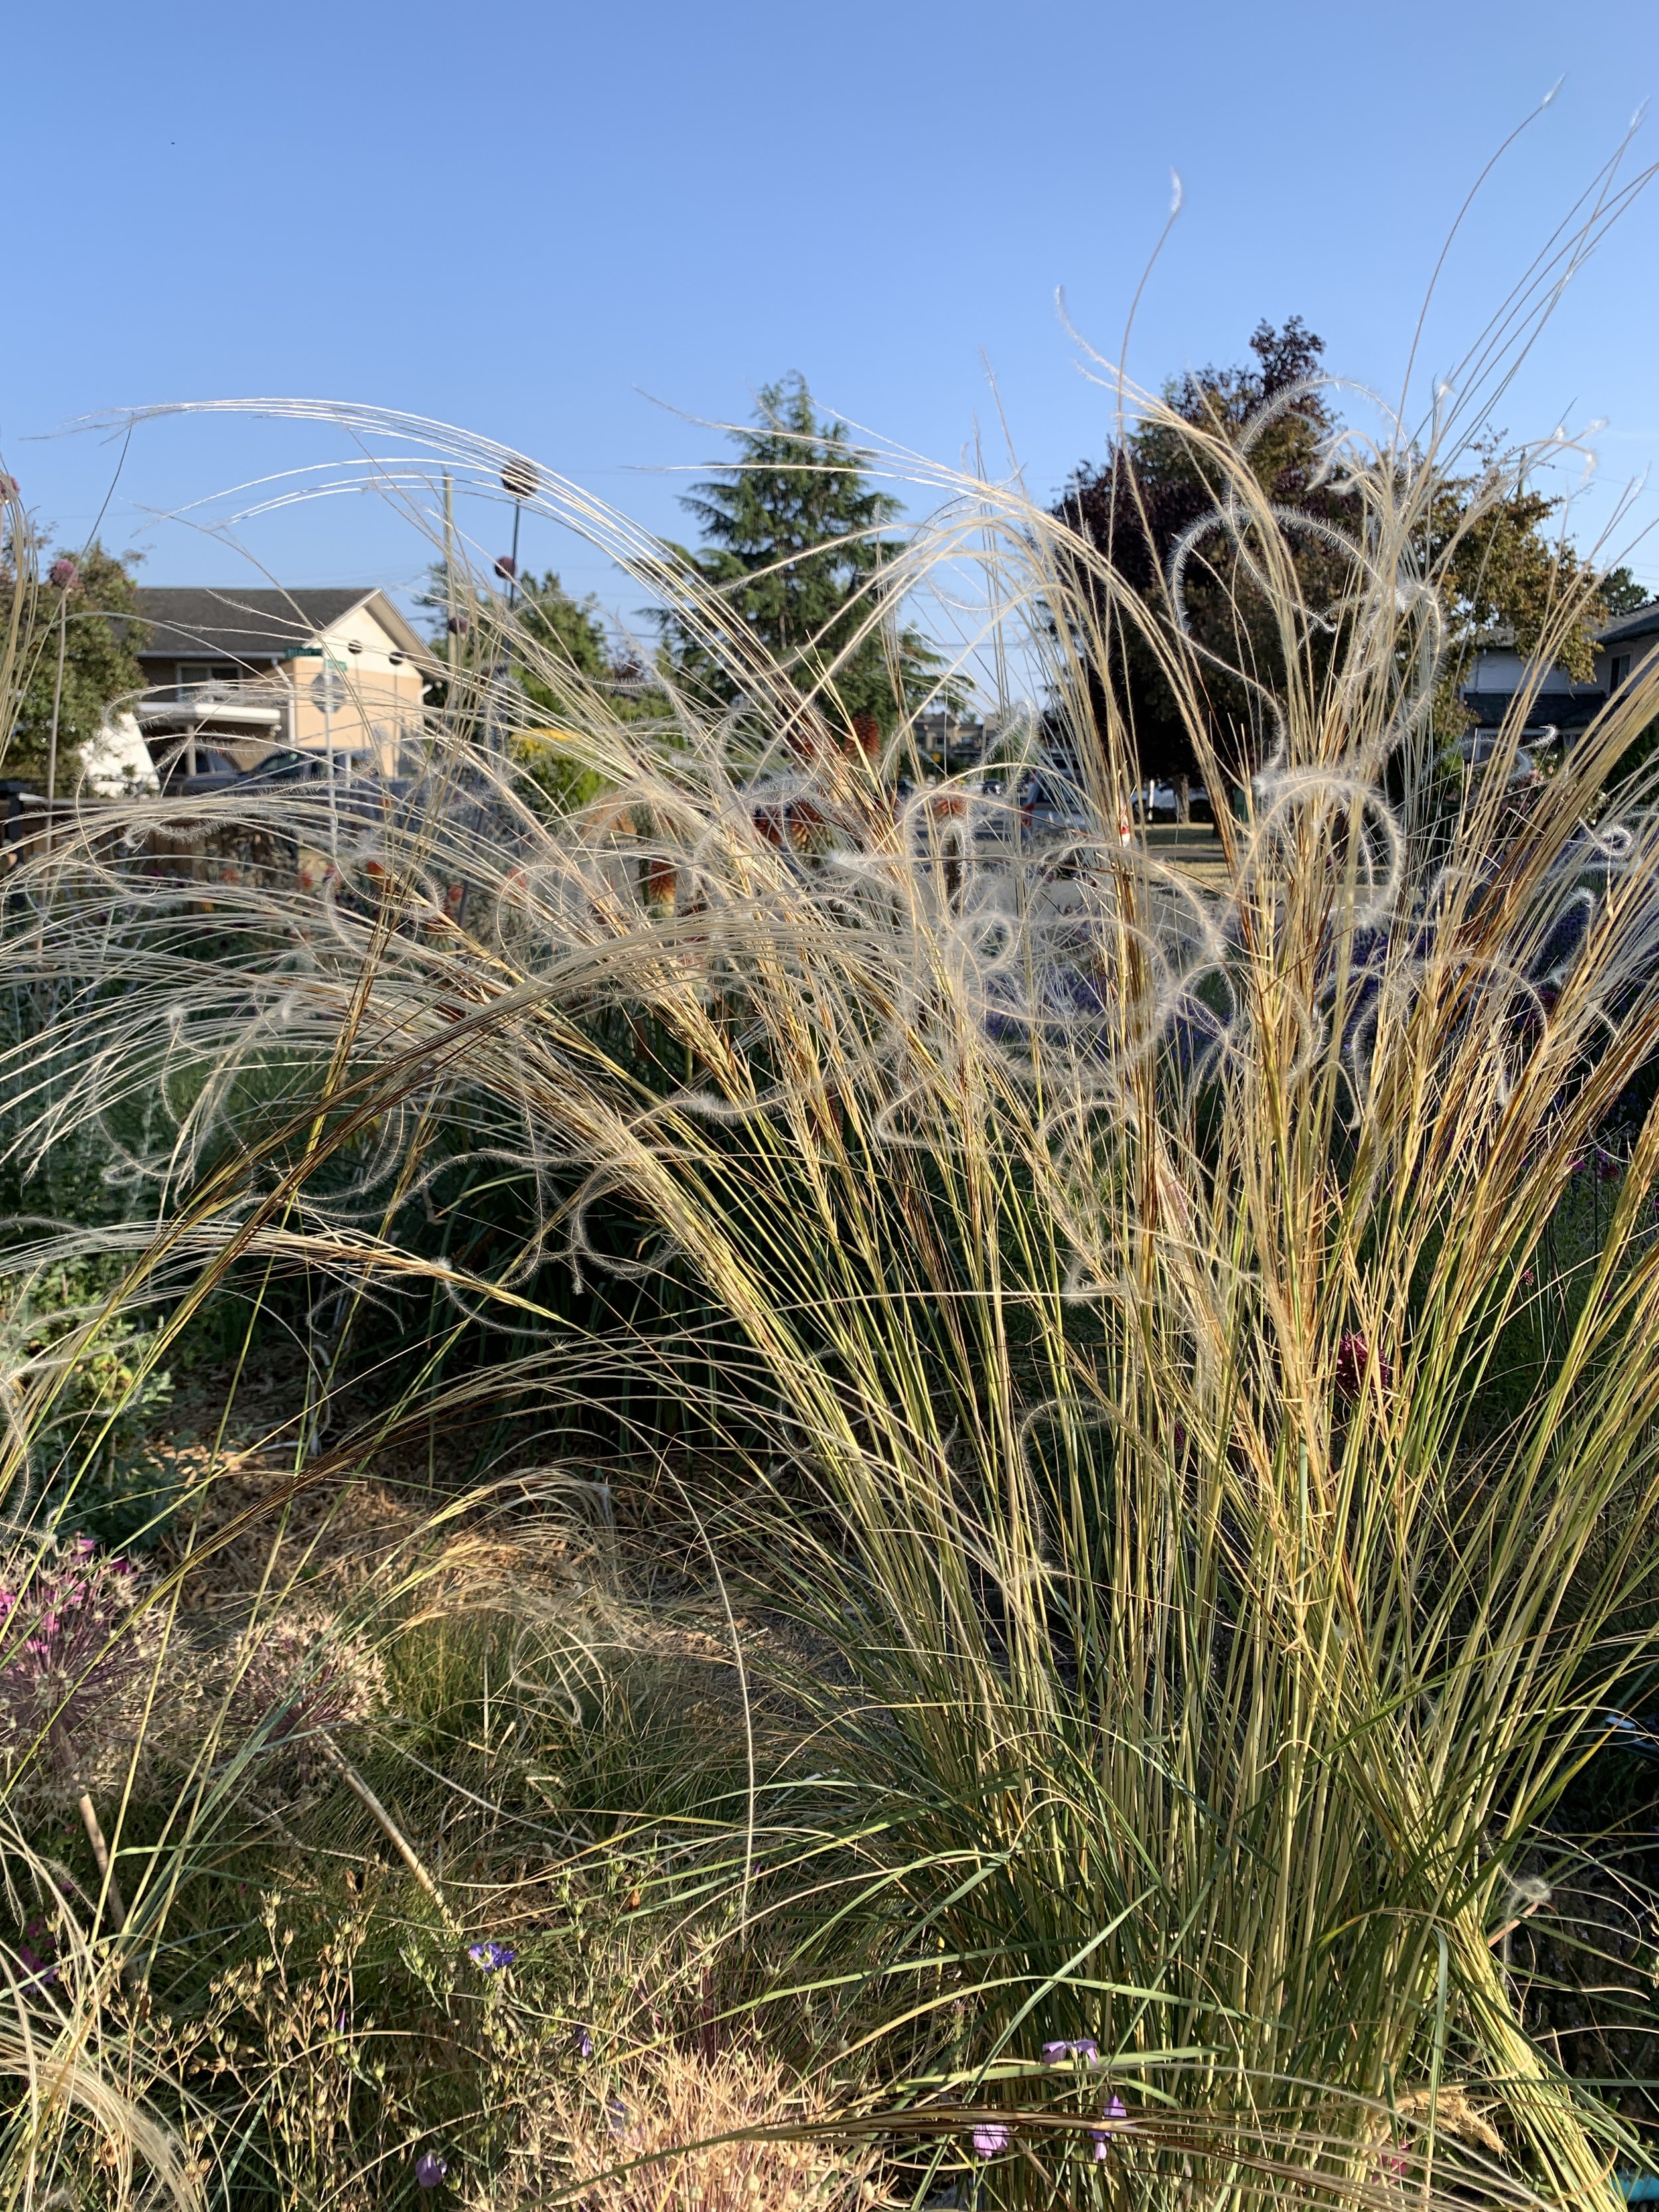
(232, 677)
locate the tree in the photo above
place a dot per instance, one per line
(1152, 488)
(548, 634)
(1501, 573)
(88, 602)
(796, 547)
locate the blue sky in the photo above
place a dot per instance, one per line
(541, 221)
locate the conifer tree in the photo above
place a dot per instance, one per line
(795, 539)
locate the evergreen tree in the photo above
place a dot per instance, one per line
(795, 544)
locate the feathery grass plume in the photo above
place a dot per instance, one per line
(1108, 1294)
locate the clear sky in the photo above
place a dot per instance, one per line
(540, 221)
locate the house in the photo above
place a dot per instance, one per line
(1627, 648)
(233, 676)
(1560, 710)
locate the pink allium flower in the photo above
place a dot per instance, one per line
(76, 1660)
(298, 1677)
(63, 576)
(1353, 1360)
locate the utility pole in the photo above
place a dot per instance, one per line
(65, 574)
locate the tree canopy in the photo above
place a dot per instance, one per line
(796, 544)
(1506, 576)
(91, 595)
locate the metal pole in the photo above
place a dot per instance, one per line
(57, 696)
(451, 635)
(57, 701)
(328, 748)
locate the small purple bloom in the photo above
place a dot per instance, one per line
(492, 1957)
(1116, 2110)
(1084, 2047)
(429, 2169)
(990, 2137)
(616, 2114)
(505, 566)
(584, 2043)
(64, 574)
(1353, 1361)
(83, 1547)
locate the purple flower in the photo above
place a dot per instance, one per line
(616, 2114)
(64, 574)
(507, 565)
(492, 1957)
(990, 2136)
(584, 2043)
(429, 2169)
(74, 1653)
(9, 487)
(1353, 1360)
(1116, 2110)
(1084, 2047)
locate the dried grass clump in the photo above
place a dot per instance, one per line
(670, 2129)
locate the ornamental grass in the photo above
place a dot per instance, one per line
(1159, 1404)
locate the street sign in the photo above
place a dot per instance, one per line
(328, 692)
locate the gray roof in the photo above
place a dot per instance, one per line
(1644, 622)
(191, 625)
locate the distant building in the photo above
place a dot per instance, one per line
(950, 743)
(1626, 648)
(1559, 709)
(231, 676)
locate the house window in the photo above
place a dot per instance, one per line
(1618, 671)
(204, 672)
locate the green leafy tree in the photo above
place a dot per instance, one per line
(556, 647)
(1507, 575)
(1154, 485)
(796, 544)
(86, 601)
